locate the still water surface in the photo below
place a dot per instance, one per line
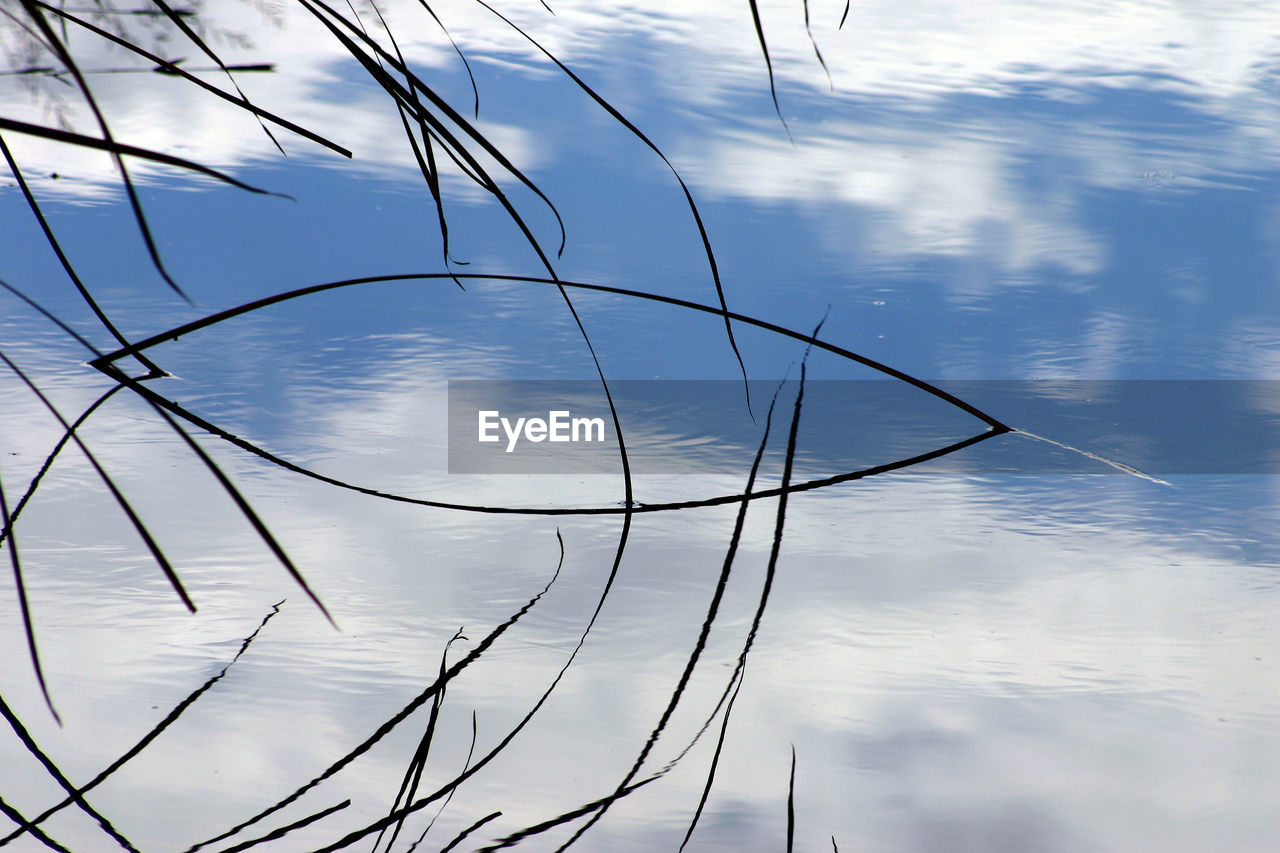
(958, 657)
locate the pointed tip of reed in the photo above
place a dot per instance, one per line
(333, 623)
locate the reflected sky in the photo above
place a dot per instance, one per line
(966, 660)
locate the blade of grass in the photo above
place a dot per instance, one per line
(461, 836)
(62, 257)
(817, 52)
(791, 803)
(24, 606)
(568, 817)
(30, 70)
(47, 314)
(475, 91)
(117, 149)
(735, 684)
(265, 67)
(768, 64)
(282, 831)
(471, 750)
(418, 764)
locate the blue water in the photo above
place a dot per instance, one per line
(971, 653)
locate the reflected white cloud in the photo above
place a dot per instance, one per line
(1104, 631)
(886, 149)
(918, 193)
(1219, 57)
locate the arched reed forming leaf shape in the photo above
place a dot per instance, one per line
(993, 426)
